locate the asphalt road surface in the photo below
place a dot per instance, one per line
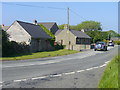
(80, 70)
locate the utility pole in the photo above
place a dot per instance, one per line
(68, 29)
(68, 16)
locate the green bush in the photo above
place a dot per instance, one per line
(57, 47)
(49, 33)
(11, 48)
(117, 42)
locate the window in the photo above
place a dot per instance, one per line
(82, 41)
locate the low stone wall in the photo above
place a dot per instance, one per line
(77, 47)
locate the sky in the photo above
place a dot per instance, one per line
(104, 12)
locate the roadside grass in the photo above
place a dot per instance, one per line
(110, 75)
(41, 55)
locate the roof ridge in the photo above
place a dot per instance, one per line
(26, 22)
(46, 22)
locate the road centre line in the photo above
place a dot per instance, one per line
(69, 73)
(107, 62)
(89, 69)
(0, 85)
(103, 65)
(58, 75)
(20, 80)
(95, 67)
(80, 71)
(42, 77)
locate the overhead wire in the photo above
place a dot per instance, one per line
(34, 6)
(77, 14)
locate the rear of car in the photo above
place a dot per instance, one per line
(100, 46)
(110, 44)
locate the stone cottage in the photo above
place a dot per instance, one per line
(31, 34)
(52, 26)
(72, 39)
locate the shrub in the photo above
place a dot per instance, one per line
(57, 47)
(49, 33)
(117, 42)
(11, 48)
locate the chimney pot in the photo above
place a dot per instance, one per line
(2, 25)
(82, 30)
(35, 22)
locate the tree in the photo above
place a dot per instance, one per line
(86, 25)
(90, 26)
(113, 33)
(61, 26)
(97, 35)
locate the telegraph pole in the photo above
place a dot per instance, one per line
(68, 16)
(68, 29)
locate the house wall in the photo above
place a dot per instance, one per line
(18, 34)
(40, 45)
(67, 36)
(54, 28)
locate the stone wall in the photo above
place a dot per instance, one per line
(40, 45)
(77, 47)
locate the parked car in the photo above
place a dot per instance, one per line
(110, 43)
(100, 46)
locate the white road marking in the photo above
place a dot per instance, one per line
(103, 65)
(107, 62)
(1, 82)
(39, 77)
(89, 69)
(20, 80)
(58, 75)
(0, 85)
(95, 67)
(69, 73)
(80, 71)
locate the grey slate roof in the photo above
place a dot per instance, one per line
(48, 25)
(34, 30)
(80, 34)
(58, 31)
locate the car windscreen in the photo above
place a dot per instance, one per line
(100, 43)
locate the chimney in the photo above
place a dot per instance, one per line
(66, 27)
(82, 30)
(35, 22)
(2, 25)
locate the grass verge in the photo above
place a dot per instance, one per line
(41, 55)
(110, 75)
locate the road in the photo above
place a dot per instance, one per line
(80, 70)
